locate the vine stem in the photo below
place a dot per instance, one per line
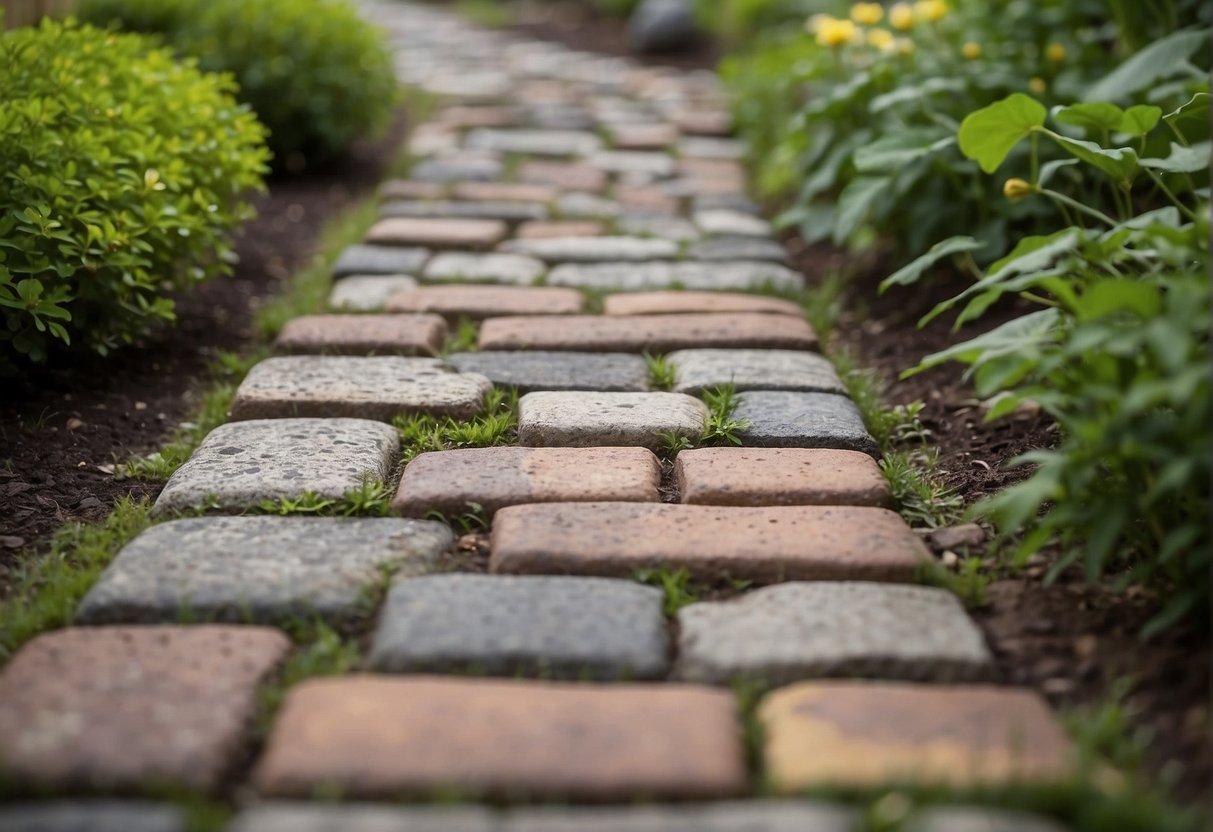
(1184, 209)
(1078, 206)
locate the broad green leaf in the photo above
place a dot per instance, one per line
(1049, 169)
(1094, 115)
(1017, 334)
(855, 202)
(888, 153)
(1108, 296)
(912, 271)
(1192, 118)
(1120, 163)
(1140, 119)
(989, 134)
(1032, 253)
(1182, 159)
(1156, 61)
(905, 94)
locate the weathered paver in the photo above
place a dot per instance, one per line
(367, 293)
(643, 136)
(291, 816)
(593, 249)
(465, 117)
(579, 205)
(737, 248)
(517, 269)
(409, 189)
(479, 302)
(674, 303)
(531, 370)
(728, 201)
(699, 369)
(385, 737)
(707, 147)
(241, 464)
(731, 224)
(568, 176)
(504, 210)
(695, 275)
(117, 708)
(437, 233)
(567, 228)
(506, 625)
(803, 420)
(647, 333)
(368, 259)
(724, 816)
(491, 478)
(261, 569)
(534, 142)
(363, 335)
(584, 419)
(375, 387)
(978, 819)
(844, 629)
(634, 162)
(704, 122)
(674, 229)
(91, 816)
(505, 191)
(766, 545)
(780, 477)
(645, 199)
(460, 167)
(855, 734)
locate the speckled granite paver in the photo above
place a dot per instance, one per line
(868, 734)
(91, 816)
(375, 387)
(697, 370)
(437, 233)
(470, 167)
(532, 370)
(501, 625)
(780, 477)
(367, 293)
(505, 192)
(369, 259)
(479, 302)
(241, 464)
(852, 630)
(978, 819)
(571, 176)
(261, 569)
(666, 228)
(387, 737)
(723, 223)
(803, 420)
(284, 816)
(766, 545)
(497, 209)
(488, 268)
(586, 206)
(363, 335)
(724, 816)
(653, 164)
(647, 333)
(491, 478)
(117, 708)
(737, 248)
(634, 277)
(534, 142)
(673, 303)
(593, 249)
(583, 418)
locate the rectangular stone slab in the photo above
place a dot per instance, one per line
(128, 708)
(678, 303)
(367, 293)
(447, 481)
(647, 333)
(262, 569)
(383, 738)
(363, 335)
(92, 815)
(375, 387)
(593, 249)
(583, 419)
(437, 233)
(517, 269)
(697, 275)
(788, 419)
(241, 464)
(505, 191)
(533, 370)
(766, 545)
(760, 815)
(780, 477)
(534, 142)
(570, 176)
(505, 210)
(368, 259)
(563, 228)
(480, 302)
(697, 370)
(315, 816)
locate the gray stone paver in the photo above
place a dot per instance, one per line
(586, 206)
(803, 420)
(754, 370)
(361, 817)
(531, 370)
(737, 248)
(466, 167)
(517, 269)
(665, 228)
(91, 816)
(810, 630)
(260, 569)
(585, 419)
(372, 387)
(364, 259)
(240, 464)
(723, 222)
(367, 293)
(593, 249)
(534, 142)
(631, 277)
(748, 816)
(508, 210)
(499, 625)
(978, 819)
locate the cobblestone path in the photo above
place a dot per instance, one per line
(586, 214)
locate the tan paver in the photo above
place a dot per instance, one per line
(779, 477)
(712, 169)
(568, 176)
(376, 737)
(493, 478)
(766, 545)
(543, 230)
(479, 302)
(363, 334)
(674, 303)
(460, 118)
(505, 191)
(437, 233)
(855, 734)
(129, 707)
(647, 199)
(644, 136)
(705, 122)
(647, 333)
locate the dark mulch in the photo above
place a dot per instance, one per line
(60, 424)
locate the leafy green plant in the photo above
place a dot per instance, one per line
(663, 375)
(918, 492)
(371, 499)
(472, 519)
(124, 174)
(497, 424)
(465, 338)
(320, 651)
(674, 583)
(722, 428)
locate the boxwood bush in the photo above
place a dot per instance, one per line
(316, 74)
(124, 172)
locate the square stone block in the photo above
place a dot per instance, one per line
(872, 735)
(241, 464)
(480, 302)
(764, 545)
(262, 569)
(389, 260)
(382, 738)
(593, 249)
(499, 625)
(124, 708)
(780, 477)
(437, 233)
(698, 370)
(517, 269)
(376, 387)
(367, 293)
(538, 370)
(583, 419)
(363, 335)
(677, 303)
(796, 631)
(786, 419)
(647, 333)
(693, 275)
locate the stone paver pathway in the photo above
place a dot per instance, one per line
(589, 217)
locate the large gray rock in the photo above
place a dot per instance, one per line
(258, 569)
(786, 419)
(662, 25)
(754, 370)
(504, 625)
(583, 419)
(531, 370)
(795, 631)
(463, 167)
(91, 816)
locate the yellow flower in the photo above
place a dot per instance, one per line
(1038, 86)
(930, 10)
(901, 16)
(905, 46)
(882, 39)
(867, 13)
(971, 50)
(1056, 53)
(833, 32)
(1016, 189)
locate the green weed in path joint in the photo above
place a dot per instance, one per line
(496, 425)
(722, 428)
(662, 373)
(674, 583)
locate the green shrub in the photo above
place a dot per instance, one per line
(123, 174)
(316, 74)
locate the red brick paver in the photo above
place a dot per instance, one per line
(377, 737)
(478, 302)
(767, 545)
(130, 707)
(673, 303)
(363, 335)
(651, 333)
(437, 233)
(779, 477)
(447, 481)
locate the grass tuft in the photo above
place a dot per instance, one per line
(675, 584)
(496, 425)
(662, 373)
